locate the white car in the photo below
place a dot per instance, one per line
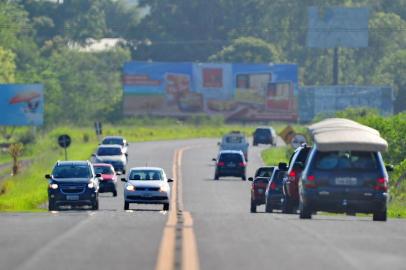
(147, 185)
(111, 154)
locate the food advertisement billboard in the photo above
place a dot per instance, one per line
(21, 104)
(239, 92)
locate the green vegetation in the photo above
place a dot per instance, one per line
(26, 191)
(274, 155)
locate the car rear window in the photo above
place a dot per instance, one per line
(263, 132)
(234, 139)
(113, 141)
(279, 175)
(346, 161)
(264, 172)
(109, 151)
(103, 169)
(230, 157)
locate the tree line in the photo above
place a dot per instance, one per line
(36, 40)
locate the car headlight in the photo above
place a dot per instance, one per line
(90, 185)
(164, 189)
(130, 188)
(53, 186)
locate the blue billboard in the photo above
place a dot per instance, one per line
(21, 105)
(237, 91)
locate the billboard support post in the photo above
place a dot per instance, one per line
(336, 67)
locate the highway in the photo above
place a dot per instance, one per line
(208, 227)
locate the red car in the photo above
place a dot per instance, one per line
(108, 182)
(291, 182)
(258, 189)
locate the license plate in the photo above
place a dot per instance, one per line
(72, 197)
(260, 190)
(148, 195)
(231, 165)
(346, 181)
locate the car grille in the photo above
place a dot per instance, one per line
(135, 197)
(147, 188)
(72, 188)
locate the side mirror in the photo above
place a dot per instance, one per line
(98, 175)
(170, 180)
(250, 179)
(123, 179)
(93, 155)
(390, 168)
(215, 160)
(48, 176)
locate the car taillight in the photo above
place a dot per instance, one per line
(381, 184)
(292, 174)
(273, 186)
(310, 181)
(220, 164)
(242, 164)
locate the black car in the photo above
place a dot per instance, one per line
(273, 193)
(264, 135)
(73, 183)
(230, 163)
(344, 182)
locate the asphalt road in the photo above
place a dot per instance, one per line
(213, 228)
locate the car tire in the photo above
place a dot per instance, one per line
(268, 208)
(95, 204)
(244, 178)
(254, 143)
(253, 207)
(287, 207)
(216, 177)
(304, 211)
(115, 193)
(380, 215)
(51, 206)
(166, 207)
(126, 206)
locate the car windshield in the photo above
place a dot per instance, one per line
(109, 151)
(146, 175)
(113, 141)
(103, 169)
(71, 171)
(230, 158)
(346, 161)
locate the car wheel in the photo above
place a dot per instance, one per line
(287, 207)
(243, 177)
(51, 206)
(216, 177)
(166, 206)
(253, 207)
(95, 205)
(268, 207)
(304, 211)
(126, 205)
(380, 216)
(115, 193)
(255, 144)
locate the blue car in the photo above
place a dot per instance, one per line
(274, 190)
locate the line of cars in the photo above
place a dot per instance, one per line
(78, 183)
(343, 172)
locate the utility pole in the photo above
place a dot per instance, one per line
(336, 67)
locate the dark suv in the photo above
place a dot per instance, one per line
(273, 193)
(73, 183)
(264, 135)
(344, 182)
(230, 163)
(291, 182)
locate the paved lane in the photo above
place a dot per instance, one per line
(228, 236)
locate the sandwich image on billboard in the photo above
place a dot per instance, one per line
(21, 104)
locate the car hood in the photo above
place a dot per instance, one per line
(71, 180)
(138, 183)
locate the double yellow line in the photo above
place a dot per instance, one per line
(178, 234)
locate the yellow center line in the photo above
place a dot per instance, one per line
(189, 254)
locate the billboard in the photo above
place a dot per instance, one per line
(21, 104)
(316, 100)
(239, 92)
(333, 27)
